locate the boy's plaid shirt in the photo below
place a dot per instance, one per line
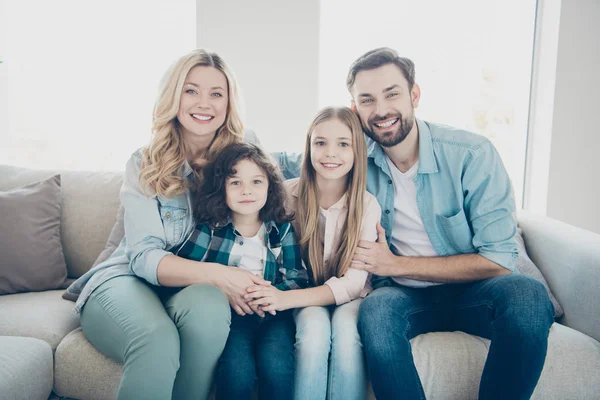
(283, 267)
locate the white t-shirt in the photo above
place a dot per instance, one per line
(254, 252)
(408, 234)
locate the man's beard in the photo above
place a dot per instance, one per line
(391, 138)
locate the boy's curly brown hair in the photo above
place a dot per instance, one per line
(209, 195)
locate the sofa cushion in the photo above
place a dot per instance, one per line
(572, 369)
(82, 372)
(89, 204)
(26, 368)
(450, 365)
(41, 315)
(32, 255)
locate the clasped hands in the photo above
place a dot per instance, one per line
(250, 294)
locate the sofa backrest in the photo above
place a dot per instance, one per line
(90, 201)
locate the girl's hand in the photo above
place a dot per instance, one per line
(233, 282)
(268, 298)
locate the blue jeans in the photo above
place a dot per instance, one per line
(258, 349)
(319, 330)
(513, 311)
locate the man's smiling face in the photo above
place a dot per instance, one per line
(385, 104)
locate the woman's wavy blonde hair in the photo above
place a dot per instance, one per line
(164, 157)
(311, 242)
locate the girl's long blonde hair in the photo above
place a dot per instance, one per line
(163, 158)
(308, 212)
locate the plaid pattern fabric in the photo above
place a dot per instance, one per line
(283, 267)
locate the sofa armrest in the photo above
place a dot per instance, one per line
(569, 259)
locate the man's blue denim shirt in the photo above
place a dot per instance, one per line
(464, 194)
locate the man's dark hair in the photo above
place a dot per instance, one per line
(208, 192)
(378, 58)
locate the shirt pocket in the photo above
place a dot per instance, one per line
(173, 219)
(458, 232)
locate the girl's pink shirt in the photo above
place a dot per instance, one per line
(355, 283)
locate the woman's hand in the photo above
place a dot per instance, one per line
(267, 298)
(233, 282)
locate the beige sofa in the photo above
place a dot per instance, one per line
(449, 364)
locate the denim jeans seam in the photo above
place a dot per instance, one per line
(330, 371)
(484, 303)
(422, 392)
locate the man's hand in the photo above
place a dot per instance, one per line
(268, 298)
(233, 282)
(375, 257)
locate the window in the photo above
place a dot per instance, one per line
(78, 79)
(473, 62)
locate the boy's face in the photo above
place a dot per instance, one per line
(246, 191)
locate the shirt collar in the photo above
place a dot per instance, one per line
(339, 205)
(269, 225)
(427, 162)
(186, 168)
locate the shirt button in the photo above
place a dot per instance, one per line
(387, 211)
(241, 242)
(168, 215)
(390, 182)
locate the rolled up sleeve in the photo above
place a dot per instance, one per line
(490, 207)
(349, 286)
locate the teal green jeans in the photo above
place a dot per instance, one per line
(169, 340)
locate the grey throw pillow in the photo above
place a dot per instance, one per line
(114, 238)
(32, 255)
(527, 267)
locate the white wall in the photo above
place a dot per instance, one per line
(273, 48)
(3, 78)
(574, 180)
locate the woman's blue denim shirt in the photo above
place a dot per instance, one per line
(154, 226)
(464, 194)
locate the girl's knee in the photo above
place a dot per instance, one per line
(313, 332)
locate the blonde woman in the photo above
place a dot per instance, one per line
(333, 212)
(164, 317)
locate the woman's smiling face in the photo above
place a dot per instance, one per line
(203, 104)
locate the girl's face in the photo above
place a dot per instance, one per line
(246, 191)
(203, 104)
(331, 153)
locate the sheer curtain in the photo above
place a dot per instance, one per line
(473, 62)
(78, 79)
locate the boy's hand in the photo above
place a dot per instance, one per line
(233, 282)
(268, 298)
